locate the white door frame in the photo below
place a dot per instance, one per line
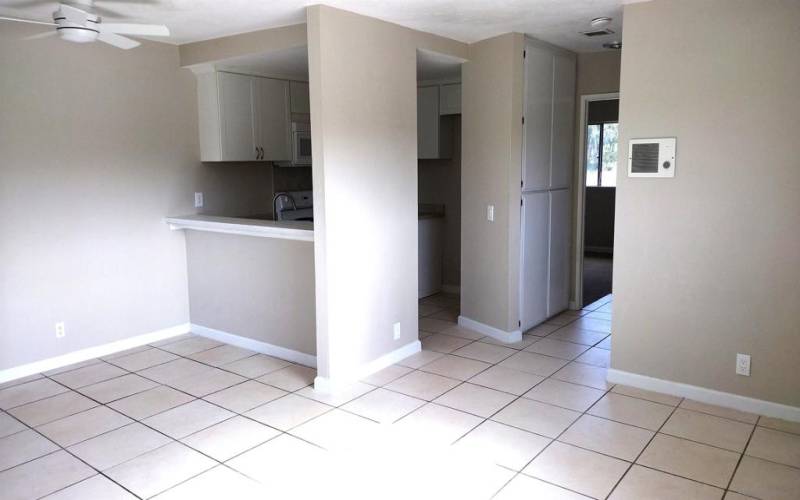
(580, 184)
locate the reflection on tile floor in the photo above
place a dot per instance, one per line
(468, 417)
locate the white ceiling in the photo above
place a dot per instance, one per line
(555, 21)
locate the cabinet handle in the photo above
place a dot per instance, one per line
(262, 153)
(257, 154)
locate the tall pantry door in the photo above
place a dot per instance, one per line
(534, 264)
(548, 131)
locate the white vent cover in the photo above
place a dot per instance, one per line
(651, 157)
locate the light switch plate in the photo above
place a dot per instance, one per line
(396, 330)
(198, 200)
(490, 213)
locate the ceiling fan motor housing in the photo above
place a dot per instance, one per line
(73, 30)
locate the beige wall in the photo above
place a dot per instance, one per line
(98, 145)
(598, 73)
(255, 42)
(490, 173)
(707, 264)
(362, 76)
(259, 288)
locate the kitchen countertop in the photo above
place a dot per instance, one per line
(287, 230)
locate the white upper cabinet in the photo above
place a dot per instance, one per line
(538, 118)
(272, 119)
(243, 117)
(236, 117)
(428, 122)
(300, 98)
(549, 118)
(450, 99)
(563, 121)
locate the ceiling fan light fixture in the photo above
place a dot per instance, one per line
(78, 35)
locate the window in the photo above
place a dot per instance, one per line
(601, 155)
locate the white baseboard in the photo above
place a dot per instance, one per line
(256, 345)
(490, 331)
(705, 395)
(453, 289)
(91, 353)
(329, 386)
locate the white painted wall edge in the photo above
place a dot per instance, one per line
(284, 230)
(705, 395)
(455, 289)
(328, 386)
(256, 345)
(91, 353)
(490, 331)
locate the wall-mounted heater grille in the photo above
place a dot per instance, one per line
(651, 157)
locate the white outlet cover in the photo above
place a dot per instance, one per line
(198, 200)
(743, 364)
(396, 331)
(490, 213)
(60, 330)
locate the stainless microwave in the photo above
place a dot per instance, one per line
(301, 144)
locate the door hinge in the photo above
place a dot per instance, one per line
(521, 183)
(520, 202)
(519, 323)
(524, 54)
(523, 120)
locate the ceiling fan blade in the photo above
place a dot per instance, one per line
(73, 14)
(39, 36)
(134, 29)
(18, 20)
(120, 42)
(29, 3)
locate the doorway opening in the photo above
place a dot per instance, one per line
(597, 185)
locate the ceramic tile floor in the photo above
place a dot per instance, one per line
(468, 417)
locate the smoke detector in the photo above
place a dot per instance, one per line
(599, 22)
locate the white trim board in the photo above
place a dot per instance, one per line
(91, 353)
(256, 345)
(705, 395)
(490, 331)
(331, 386)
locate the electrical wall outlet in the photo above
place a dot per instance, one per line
(198, 200)
(743, 364)
(396, 331)
(61, 332)
(490, 213)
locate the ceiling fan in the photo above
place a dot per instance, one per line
(78, 21)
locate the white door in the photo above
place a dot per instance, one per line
(428, 122)
(272, 118)
(236, 117)
(538, 102)
(558, 261)
(563, 121)
(535, 249)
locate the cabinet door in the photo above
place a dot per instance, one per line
(236, 117)
(558, 280)
(300, 97)
(450, 99)
(538, 118)
(563, 121)
(273, 121)
(534, 264)
(428, 122)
